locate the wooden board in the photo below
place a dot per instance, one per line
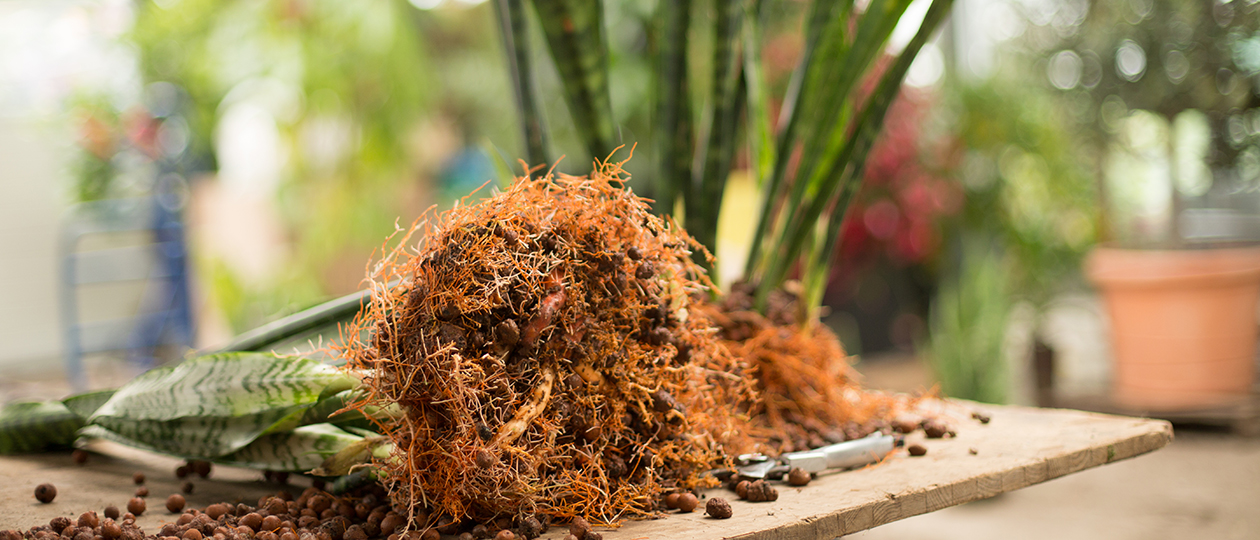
(1020, 447)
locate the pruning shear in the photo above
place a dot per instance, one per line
(848, 454)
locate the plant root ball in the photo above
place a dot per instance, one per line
(718, 508)
(544, 354)
(45, 493)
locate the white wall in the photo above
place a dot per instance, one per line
(31, 180)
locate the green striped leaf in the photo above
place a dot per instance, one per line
(300, 450)
(32, 426)
(85, 405)
(579, 46)
(214, 405)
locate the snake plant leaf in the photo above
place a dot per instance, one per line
(300, 450)
(513, 30)
(579, 46)
(85, 405)
(32, 426)
(673, 123)
(214, 405)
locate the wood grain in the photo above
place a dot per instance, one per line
(1020, 447)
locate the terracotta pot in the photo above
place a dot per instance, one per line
(1183, 324)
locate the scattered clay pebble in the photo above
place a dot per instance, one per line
(917, 449)
(181, 471)
(79, 456)
(430, 534)
(982, 417)
(59, 524)
(718, 508)
(253, 520)
(671, 501)
(388, 524)
(45, 493)
(186, 487)
(192, 534)
(973, 451)
(112, 512)
(110, 530)
(798, 477)
(89, 520)
(484, 459)
(935, 429)
(175, 503)
(203, 468)
(505, 535)
(592, 535)
(760, 491)
(741, 489)
(142, 491)
(465, 536)
(271, 523)
(579, 527)
(687, 502)
(136, 506)
(10, 535)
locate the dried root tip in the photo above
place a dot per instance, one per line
(529, 411)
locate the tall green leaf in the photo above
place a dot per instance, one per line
(579, 46)
(513, 29)
(214, 405)
(723, 113)
(836, 175)
(673, 128)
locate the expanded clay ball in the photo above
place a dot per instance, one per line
(136, 506)
(142, 491)
(687, 502)
(798, 477)
(175, 503)
(917, 450)
(505, 535)
(138, 478)
(45, 493)
(935, 429)
(718, 508)
(112, 512)
(186, 487)
(79, 456)
(579, 527)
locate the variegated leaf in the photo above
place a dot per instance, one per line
(214, 405)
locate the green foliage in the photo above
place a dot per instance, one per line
(710, 88)
(346, 83)
(1029, 180)
(213, 405)
(968, 327)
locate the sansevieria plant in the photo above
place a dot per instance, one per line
(615, 391)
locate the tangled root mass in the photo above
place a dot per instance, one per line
(544, 348)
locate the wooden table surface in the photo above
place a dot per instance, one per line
(1018, 448)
